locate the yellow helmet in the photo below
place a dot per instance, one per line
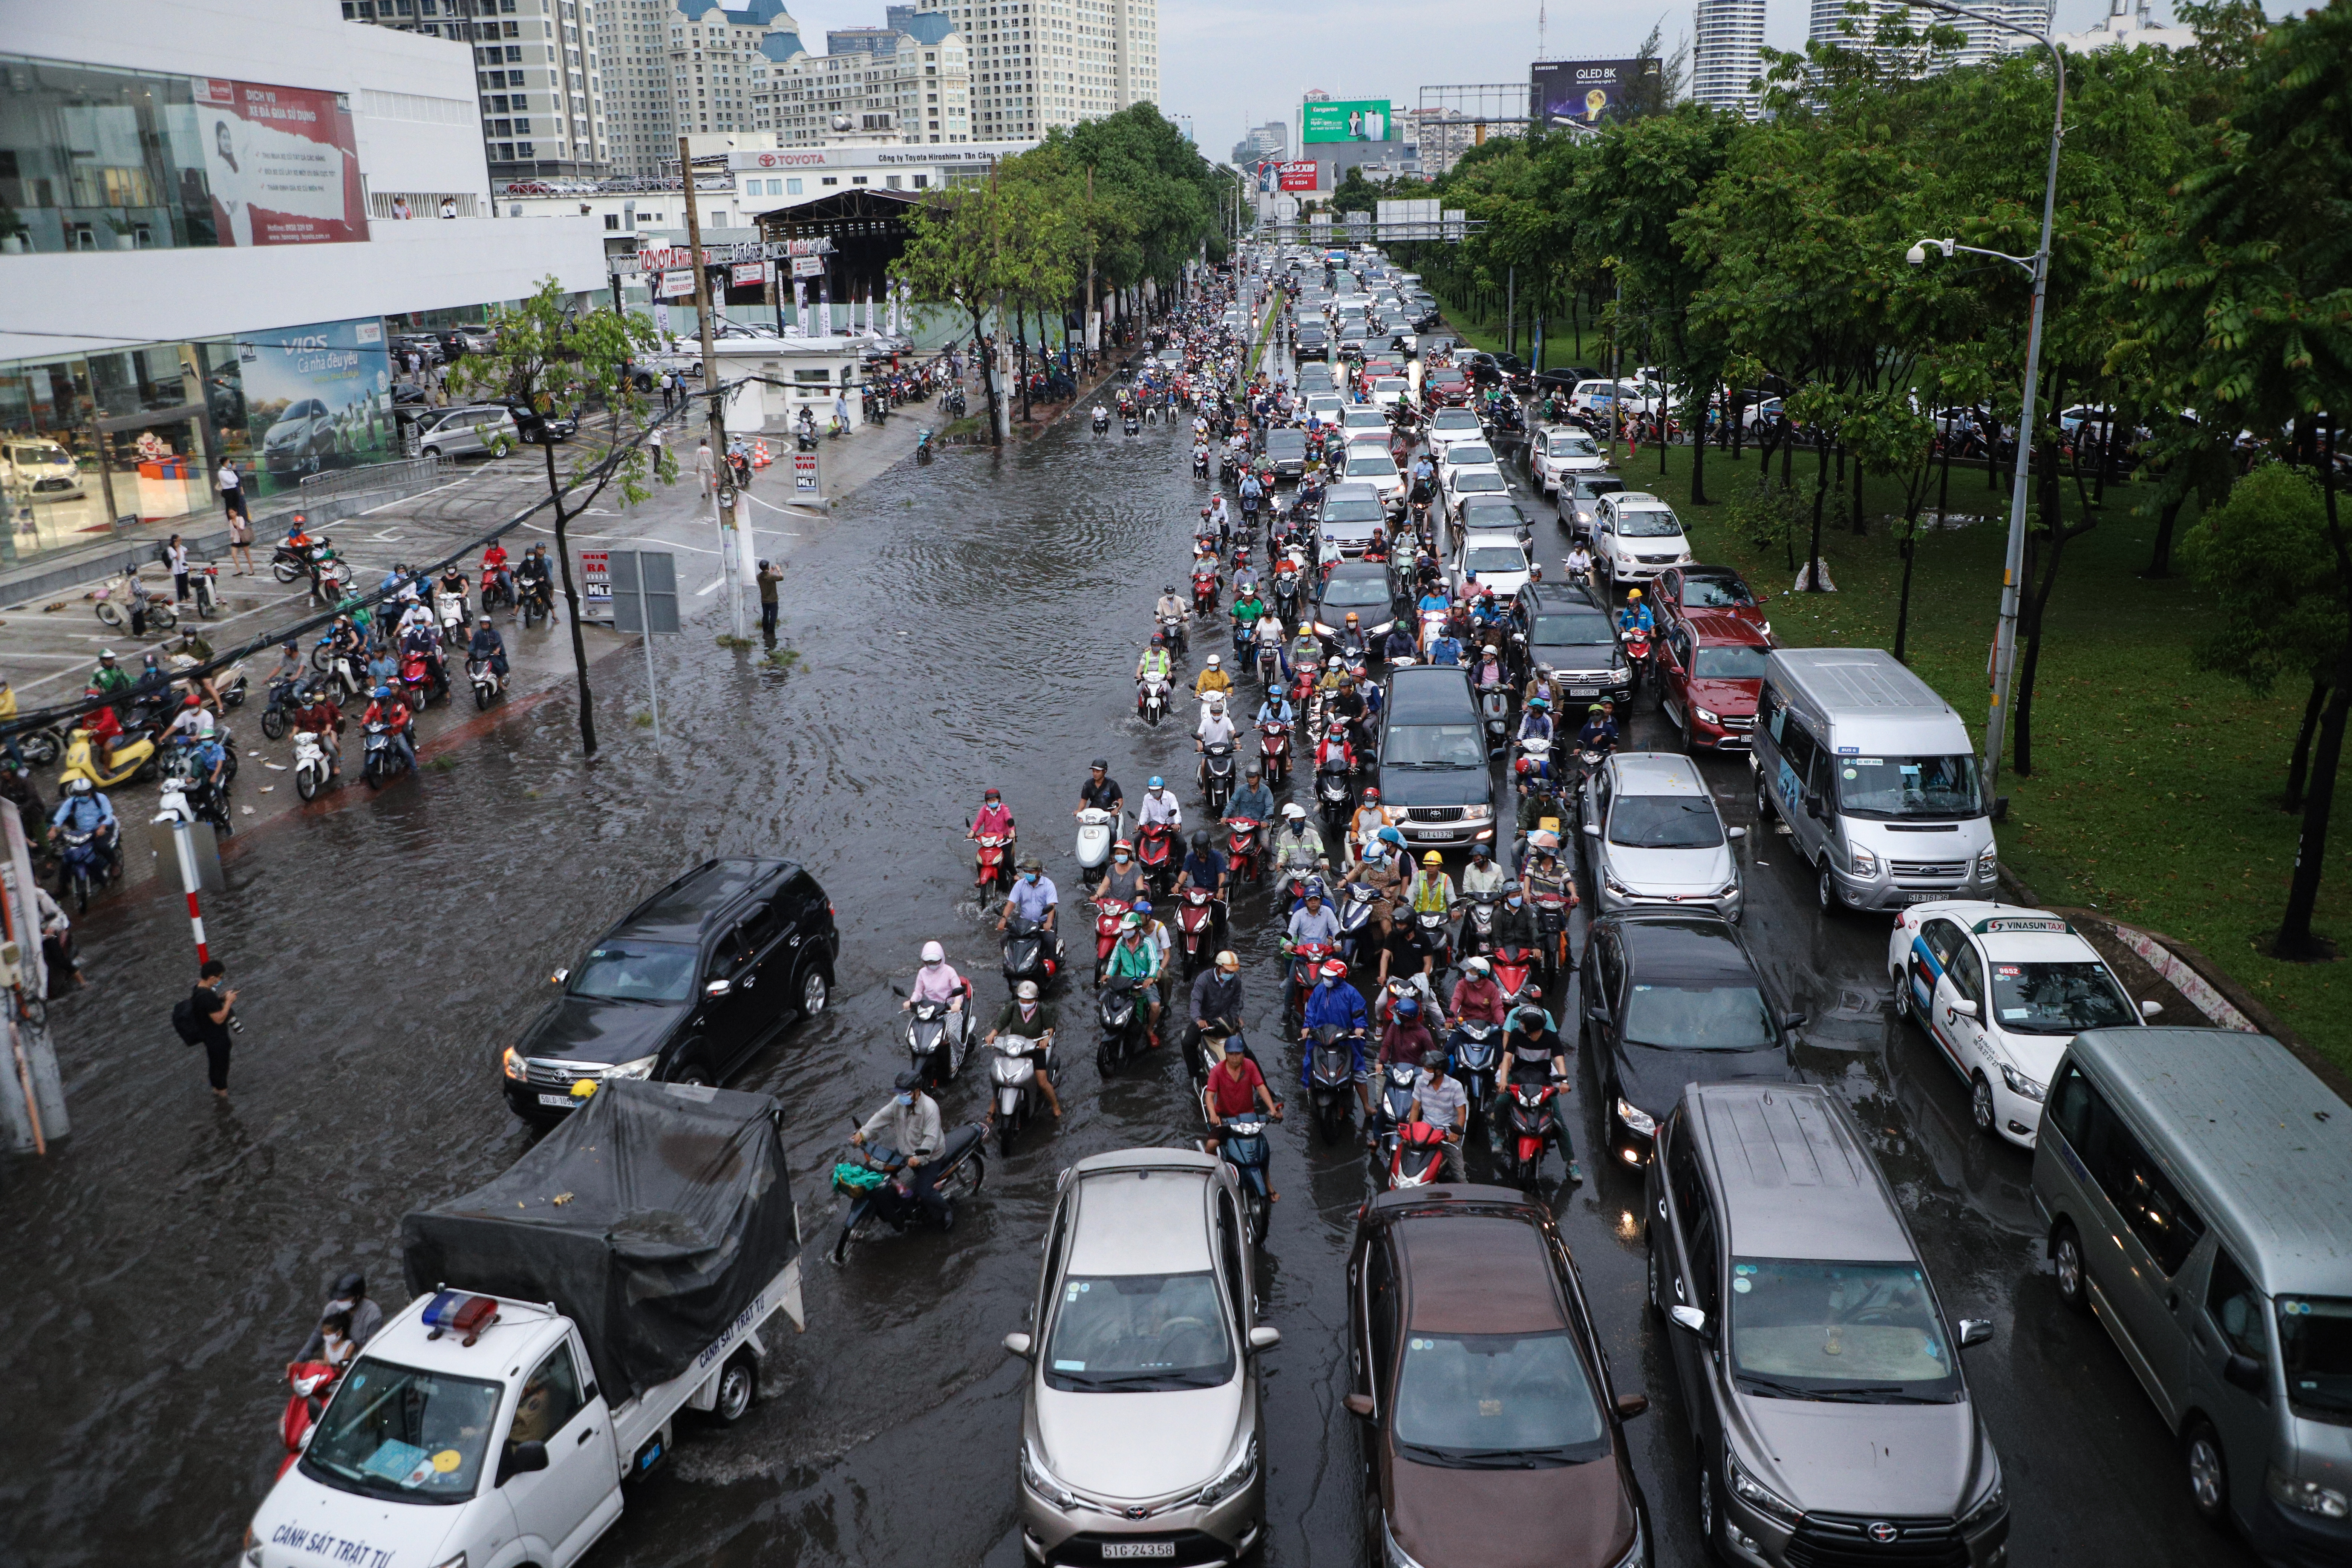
(1433, 858)
(1633, 593)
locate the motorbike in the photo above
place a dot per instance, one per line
(1417, 1155)
(1495, 709)
(1274, 751)
(1242, 1143)
(116, 598)
(496, 594)
(1269, 655)
(991, 862)
(1119, 1018)
(1355, 912)
(1204, 591)
(1097, 830)
(1529, 1125)
(876, 1189)
(289, 563)
(1432, 933)
(1551, 924)
(311, 1383)
(1244, 640)
(938, 1037)
(1392, 1097)
(1285, 597)
(1102, 421)
(451, 609)
(487, 683)
(417, 685)
(1132, 425)
(134, 760)
(1030, 953)
(1217, 775)
(923, 453)
(379, 762)
(1637, 651)
(1514, 976)
(1199, 462)
(283, 699)
(1152, 697)
(1155, 851)
(83, 863)
(1474, 1051)
(1012, 1082)
(1306, 958)
(1196, 922)
(1334, 797)
(311, 769)
(1478, 931)
(1173, 630)
(1107, 915)
(189, 796)
(1244, 849)
(1331, 1083)
(538, 600)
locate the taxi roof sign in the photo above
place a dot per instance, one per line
(2008, 924)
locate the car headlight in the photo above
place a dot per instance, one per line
(1987, 864)
(457, 1562)
(2304, 1497)
(512, 1062)
(1239, 1474)
(642, 1068)
(1707, 718)
(1615, 886)
(1476, 813)
(1728, 890)
(1392, 1555)
(1043, 1482)
(2021, 1084)
(1866, 864)
(1635, 1119)
(1757, 1495)
(1988, 1508)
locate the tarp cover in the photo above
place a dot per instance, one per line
(650, 1218)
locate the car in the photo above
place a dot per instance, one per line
(1654, 839)
(1567, 633)
(1675, 998)
(1595, 398)
(1710, 672)
(1999, 991)
(473, 427)
(1577, 501)
(1560, 383)
(1448, 426)
(1806, 1336)
(685, 988)
(1636, 537)
(1683, 591)
(1459, 456)
(1362, 419)
(427, 346)
(1325, 407)
(1491, 1430)
(1434, 786)
(38, 469)
(1351, 342)
(1140, 1399)
(1559, 449)
(1446, 385)
(1491, 559)
(1492, 513)
(1495, 370)
(302, 439)
(1759, 413)
(1375, 466)
(1407, 344)
(456, 343)
(1314, 378)
(1365, 588)
(1287, 450)
(1350, 514)
(1439, 344)
(1468, 482)
(1388, 391)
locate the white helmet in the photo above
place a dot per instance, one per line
(1216, 701)
(934, 954)
(1293, 811)
(1212, 661)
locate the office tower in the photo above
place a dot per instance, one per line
(538, 75)
(1037, 64)
(1727, 53)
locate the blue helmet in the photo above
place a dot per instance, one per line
(1157, 783)
(1408, 1006)
(382, 692)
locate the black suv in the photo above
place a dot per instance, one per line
(1495, 370)
(1287, 450)
(1672, 999)
(1564, 629)
(1433, 759)
(683, 989)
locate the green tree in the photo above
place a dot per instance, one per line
(549, 356)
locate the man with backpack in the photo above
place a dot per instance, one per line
(203, 1019)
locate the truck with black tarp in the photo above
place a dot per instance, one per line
(621, 1272)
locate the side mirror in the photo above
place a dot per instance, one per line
(559, 977)
(1264, 1339)
(1792, 1020)
(1358, 1405)
(2150, 1009)
(1592, 829)
(1975, 1331)
(1814, 807)
(1018, 1345)
(1631, 1405)
(2244, 1372)
(522, 1459)
(1689, 1317)
(1964, 1007)
(1735, 834)
(719, 988)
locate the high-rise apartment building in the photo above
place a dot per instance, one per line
(1984, 42)
(538, 71)
(1727, 53)
(1041, 63)
(907, 82)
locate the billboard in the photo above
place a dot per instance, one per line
(1587, 93)
(317, 397)
(282, 163)
(1297, 176)
(1348, 120)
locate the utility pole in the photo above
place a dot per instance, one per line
(1093, 322)
(723, 493)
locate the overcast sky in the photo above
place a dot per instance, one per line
(1231, 64)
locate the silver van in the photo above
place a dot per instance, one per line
(1875, 777)
(476, 428)
(2196, 1187)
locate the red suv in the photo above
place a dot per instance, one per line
(1449, 386)
(1683, 591)
(1710, 667)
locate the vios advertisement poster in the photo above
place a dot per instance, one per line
(316, 398)
(1588, 92)
(282, 163)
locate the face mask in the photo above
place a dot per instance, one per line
(1515, 903)
(908, 1098)
(1030, 878)
(1121, 859)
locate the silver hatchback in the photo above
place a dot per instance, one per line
(1656, 839)
(1139, 1421)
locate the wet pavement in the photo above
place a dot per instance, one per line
(964, 624)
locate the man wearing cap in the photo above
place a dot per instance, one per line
(910, 1119)
(1313, 920)
(1100, 791)
(1439, 1098)
(1253, 800)
(1216, 1008)
(1032, 898)
(1031, 1019)
(1336, 1003)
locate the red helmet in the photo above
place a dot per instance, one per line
(1371, 794)
(192, 701)
(1526, 764)
(1335, 969)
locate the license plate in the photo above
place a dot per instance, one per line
(555, 1099)
(1584, 691)
(1921, 898)
(1119, 1550)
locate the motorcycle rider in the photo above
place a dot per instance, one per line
(1215, 1005)
(1305, 649)
(1220, 519)
(1205, 868)
(85, 810)
(1155, 663)
(1481, 876)
(1274, 710)
(1382, 866)
(1217, 729)
(1032, 898)
(1405, 1037)
(1439, 1098)
(1489, 669)
(1234, 1085)
(1365, 822)
(937, 981)
(1100, 791)
(1580, 561)
(1160, 805)
(1600, 732)
(1635, 614)
(1248, 610)
(1335, 750)
(1476, 996)
(1398, 644)
(1348, 646)
(1132, 958)
(1026, 1015)
(1532, 1053)
(1253, 800)
(1514, 919)
(317, 715)
(994, 818)
(392, 713)
(1335, 1002)
(911, 1120)
(1431, 891)
(1122, 879)
(1298, 844)
(534, 575)
(1213, 677)
(1537, 719)
(1445, 647)
(486, 645)
(110, 679)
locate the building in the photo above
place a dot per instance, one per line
(1728, 54)
(905, 83)
(539, 78)
(2128, 24)
(1440, 136)
(1984, 41)
(169, 302)
(1037, 64)
(1271, 139)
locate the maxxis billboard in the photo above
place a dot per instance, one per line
(1348, 120)
(282, 163)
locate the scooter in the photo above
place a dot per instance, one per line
(1152, 697)
(134, 760)
(1118, 1015)
(1242, 1143)
(451, 609)
(1106, 916)
(116, 598)
(1274, 751)
(1432, 934)
(877, 1190)
(311, 1383)
(1393, 1098)
(1196, 922)
(1306, 959)
(312, 768)
(1355, 912)
(1244, 849)
(488, 684)
(83, 863)
(1097, 830)
(938, 1037)
(1204, 592)
(1012, 1080)
(1172, 631)
(1530, 1124)
(1331, 1083)
(1333, 797)
(991, 861)
(1217, 775)
(1476, 1052)
(1155, 851)
(1417, 1155)
(1495, 708)
(1551, 925)
(1101, 420)
(1637, 651)
(1030, 953)
(1130, 425)
(1478, 932)
(287, 564)
(1515, 976)
(379, 762)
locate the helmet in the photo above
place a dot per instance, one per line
(1390, 836)
(1031, 863)
(1481, 852)
(1293, 811)
(1337, 662)
(1524, 765)
(1142, 906)
(1475, 966)
(1433, 858)
(1371, 794)
(1158, 639)
(1334, 970)
(1129, 922)
(382, 692)
(1252, 771)
(291, 645)
(990, 794)
(1544, 838)
(1168, 587)
(79, 786)
(1510, 886)
(1351, 618)
(1212, 661)
(1200, 839)
(1026, 990)
(1157, 783)
(1408, 1006)
(1100, 764)
(1633, 593)
(934, 954)
(1338, 726)
(105, 653)
(192, 701)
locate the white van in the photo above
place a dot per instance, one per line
(1876, 778)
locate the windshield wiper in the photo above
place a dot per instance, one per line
(1878, 1394)
(1774, 1387)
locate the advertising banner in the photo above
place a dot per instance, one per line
(748, 274)
(281, 162)
(807, 266)
(1587, 93)
(804, 474)
(316, 398)
(1297, 176)
(676, 284)
(1348, 120)
(596, 581)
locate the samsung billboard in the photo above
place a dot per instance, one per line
(1589, 92)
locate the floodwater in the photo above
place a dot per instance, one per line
(965, 624)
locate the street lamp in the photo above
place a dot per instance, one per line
(2004, 647)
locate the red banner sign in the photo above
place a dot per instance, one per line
(282, 163)
(1298, 176)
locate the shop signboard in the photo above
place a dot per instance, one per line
(748, 274)
(1348, 120)
(804, 474)
(808, 266)
(316, 398)
(1298, 176)
(676, 284)
(282, 163)
(1588, 92)
(596, 581)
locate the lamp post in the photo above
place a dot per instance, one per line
(2004, 647)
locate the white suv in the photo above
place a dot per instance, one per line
(1559, 449)
(1636, 537)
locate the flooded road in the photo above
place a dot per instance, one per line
(967, 624)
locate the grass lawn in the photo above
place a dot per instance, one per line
(2157, 788)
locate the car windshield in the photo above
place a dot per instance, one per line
(1908, 787)
(1494, 558)
(1433, 746)
(1454, 418)
(1738, 662)
(1715, 594)
(1375, 463)
(1351, 593)
(1647, 522)
(1568, 444)
(1390, 383)
(1366, 419)
(1551, 631)
(1665, 822)
(1594, 490)
(397, 1433)
(2058, 999)
(1353, 510)
(1502, 1400)
(636, 971)
(1866, 1331)
(1698, 1018)
(2315, 1336)
(1130, 1332)
(1478, 481)
(1287, 443)
(1470, 454)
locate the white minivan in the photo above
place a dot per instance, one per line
(1635, 536)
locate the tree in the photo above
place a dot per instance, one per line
(549, 356)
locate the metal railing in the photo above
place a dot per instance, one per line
(373, 476)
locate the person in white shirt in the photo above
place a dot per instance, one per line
(1160, 805)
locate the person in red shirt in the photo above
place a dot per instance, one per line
(1235, 1086)
(395, 715)
(994, 817)
(1406, 1038)
(105, 729)
(1475, 995)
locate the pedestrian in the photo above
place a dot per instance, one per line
(240, 523)
(706, 467)
(770, 575)
(670, 394)
(653, 448)
(210, 1010)
(175, 554)
(448, 206)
